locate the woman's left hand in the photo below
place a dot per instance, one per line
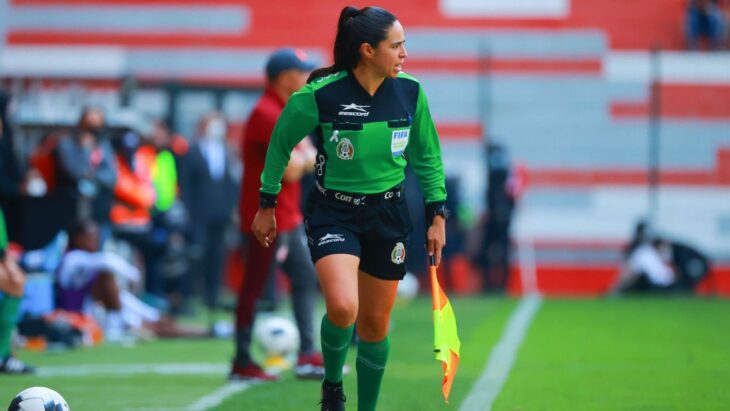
(436, 238)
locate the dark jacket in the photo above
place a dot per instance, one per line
(76, 163)
(208, 200)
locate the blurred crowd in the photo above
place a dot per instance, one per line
(134, 221)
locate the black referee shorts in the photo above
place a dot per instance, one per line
(374, 227)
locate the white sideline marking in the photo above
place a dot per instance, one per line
(217, 397)
(489, 384)
(131, 369)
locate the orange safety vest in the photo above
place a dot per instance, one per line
(134, 194)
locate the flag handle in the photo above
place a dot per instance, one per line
(435, 294)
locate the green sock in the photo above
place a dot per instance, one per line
(8, 316)
(371, 359)
(335, 343)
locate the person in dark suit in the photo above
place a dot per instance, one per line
(495, 253)
(210, 193)
(10, 171)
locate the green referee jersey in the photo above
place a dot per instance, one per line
(363, 141)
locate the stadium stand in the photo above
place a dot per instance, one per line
(565, 84)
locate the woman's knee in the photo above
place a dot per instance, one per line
(373, 328)
(342, 312)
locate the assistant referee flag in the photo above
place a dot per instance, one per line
(446, 340)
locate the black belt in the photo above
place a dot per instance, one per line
(360, 199)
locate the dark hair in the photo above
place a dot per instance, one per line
(77, 228)
(356, 26)
(86, 110)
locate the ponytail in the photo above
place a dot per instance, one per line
(354, 27)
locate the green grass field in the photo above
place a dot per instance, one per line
(603, 354)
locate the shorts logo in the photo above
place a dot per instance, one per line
(398, 255)
(345, 150)
(330, 238)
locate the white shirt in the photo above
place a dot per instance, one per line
(78, 267)
(646, 259)
(214, 153)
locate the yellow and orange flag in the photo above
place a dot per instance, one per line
(446, 342)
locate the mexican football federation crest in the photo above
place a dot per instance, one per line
(398, 255)
(345, 150)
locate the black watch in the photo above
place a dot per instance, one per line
(267, 200)
(434, 209)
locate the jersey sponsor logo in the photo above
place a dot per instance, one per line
(399, 141)
(398, 255)
(330, 238)
(353, 109)
(345, 149)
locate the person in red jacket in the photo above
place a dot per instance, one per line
(286, 70)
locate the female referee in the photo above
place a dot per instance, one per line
(370, 119)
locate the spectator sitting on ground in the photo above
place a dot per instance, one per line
(87, 275)
(648, 265)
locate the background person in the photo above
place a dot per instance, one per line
(12, 281)
(210, 193)
(705, 20)
(87, 275)
(286, 72)
(86, 166)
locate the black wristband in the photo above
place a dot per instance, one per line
(434, 209)
(267, 200)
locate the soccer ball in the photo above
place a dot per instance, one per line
(408, 287)
(38, 399)
(277, 336)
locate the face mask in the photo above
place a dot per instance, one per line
(36, 187)
(216, 130)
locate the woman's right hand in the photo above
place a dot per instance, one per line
(264, 226)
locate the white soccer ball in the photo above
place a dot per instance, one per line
(408, 287)
(277, 336)
(38, 399)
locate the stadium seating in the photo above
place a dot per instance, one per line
(568, 94)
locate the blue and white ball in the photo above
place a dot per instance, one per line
(408, 287)
(277, 336)
(38, 399)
